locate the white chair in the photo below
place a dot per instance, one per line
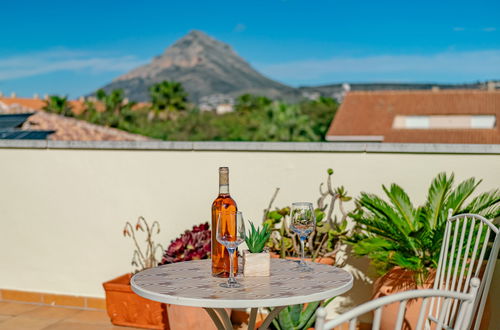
(448, 297)
(465, 242)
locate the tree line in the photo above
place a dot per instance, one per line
(169, 116)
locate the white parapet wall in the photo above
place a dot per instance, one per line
(63, 205)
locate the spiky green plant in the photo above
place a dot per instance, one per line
(59, 105)
(257, 237)
(397, 233)
(325, 240)
(298, 317)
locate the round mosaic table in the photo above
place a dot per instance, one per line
(191, 284)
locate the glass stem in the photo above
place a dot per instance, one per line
(231, 274)
(302, 262)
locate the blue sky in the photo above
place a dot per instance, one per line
(74, 47)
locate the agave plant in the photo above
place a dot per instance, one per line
(257, 237)
(397, 233)
(298, 317)
(191, 245)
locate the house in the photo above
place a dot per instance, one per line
(437, 116)
(64, 128)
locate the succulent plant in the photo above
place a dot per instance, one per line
(194, 244)
(257, 237)
(326, 239)
(299, 317)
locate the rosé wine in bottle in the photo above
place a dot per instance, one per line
(226, 206)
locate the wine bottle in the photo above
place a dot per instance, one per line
(223, 205)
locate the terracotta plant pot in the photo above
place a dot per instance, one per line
(326, 261)
(399, 280)
(128, 309)
(185, 317)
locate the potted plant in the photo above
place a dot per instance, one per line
(403, 241)
(325, 241)
(299, 317)
(256, 261)
(124, 307)
(193, 244)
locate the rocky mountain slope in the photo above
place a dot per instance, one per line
(209, 68)
(205, 67)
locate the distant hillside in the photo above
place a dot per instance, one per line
(337, 91)
(208, 68)
(205, 67)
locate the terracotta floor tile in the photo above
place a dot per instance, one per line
(53, 313)
(9, 308)
(4, 318)
(25, 323)
(83, 326)
(94, 317)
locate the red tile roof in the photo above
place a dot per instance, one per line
(69, 129)
(372, 114)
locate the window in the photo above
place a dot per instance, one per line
(483, 122)
(417, 122)
(445, 122)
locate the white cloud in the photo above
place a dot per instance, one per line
(458, 29)
(26, 65)
(489, 29)
(451, 63)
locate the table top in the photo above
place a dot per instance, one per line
(190, 284)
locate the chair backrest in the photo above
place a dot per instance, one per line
(465, 241)
(462, 322)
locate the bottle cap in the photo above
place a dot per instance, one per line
(223, 175)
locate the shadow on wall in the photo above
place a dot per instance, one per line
(362, 290)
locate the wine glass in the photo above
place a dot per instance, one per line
(231, 233)
(302, 222)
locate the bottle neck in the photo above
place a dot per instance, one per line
(223, 189)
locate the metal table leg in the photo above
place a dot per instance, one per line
(251, 319)
(223, 314)
(270, 317)
(215, 318)
(223, 322)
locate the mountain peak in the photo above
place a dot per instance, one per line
(204, 65)
(198, 34)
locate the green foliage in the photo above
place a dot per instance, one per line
(298, 317)
(111, 110)
(247, 103)
(283, 122)
(397, 233)
(274, 122)
(320, 112)
(326, 238)
(257, 238)
(171, 117)
(59, 105)
(168, 96)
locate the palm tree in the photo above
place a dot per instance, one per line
(110, 109)
(58, 104)
(396, 233)
(168, 97)
(250, 102)
(284, 122)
